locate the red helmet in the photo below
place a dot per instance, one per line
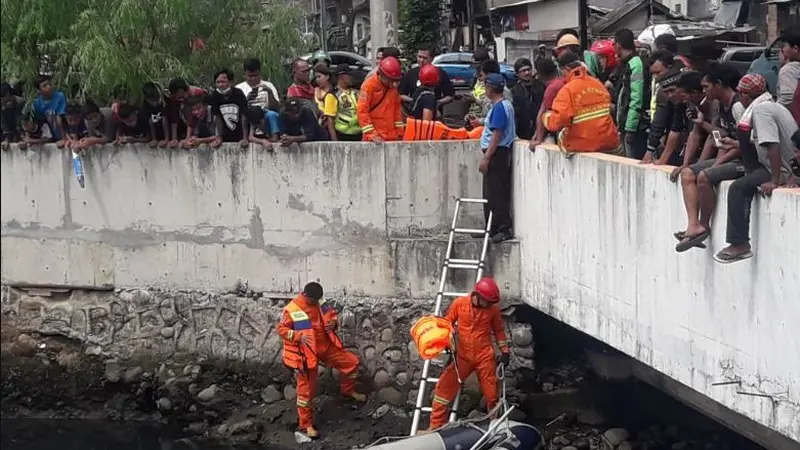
(390, 67)
(429, 75)
(487, 288)
(605, 48)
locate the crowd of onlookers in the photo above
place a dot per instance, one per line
(705, 118)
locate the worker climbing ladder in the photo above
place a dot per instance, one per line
(448, 264)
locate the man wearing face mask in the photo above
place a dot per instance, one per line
(379, 104)
(477, 319)
(229, 106)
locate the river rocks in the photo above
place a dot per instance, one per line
(381, 379)
(615, 436)
(521, 334)
(561, 440)
(132, 375)
(547, 387)
(393, 355)
(381, 411)
(271, 394)
(301, 438)
(208, 394)
(24, 345)
(167, 332)
(197, 428)
(164, 404)
(113, 372)
(289, 392)
(401, 378)
(387, 335)
(390, 395)
(625, 445)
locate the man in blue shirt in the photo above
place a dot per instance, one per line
(50, 104)
(496, 142)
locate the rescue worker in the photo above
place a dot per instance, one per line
(477, 318)
(581, 111)
(379, 104)
(567, 40)
(308, 329)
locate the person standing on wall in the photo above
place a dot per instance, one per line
(308, 329)
(496, 142)
(477, 318)
(379, 112)
(445, 93)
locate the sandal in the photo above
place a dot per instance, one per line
(681, 235)
(691, 241)
(725, 257)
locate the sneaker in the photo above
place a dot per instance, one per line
(501, 236)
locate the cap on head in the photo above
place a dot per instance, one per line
(567, 40)
(496, 80)
(752, 84)
(313, 290)
(480, 54)
(488, 289)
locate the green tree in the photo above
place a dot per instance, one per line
(102, 44)
(419, 23)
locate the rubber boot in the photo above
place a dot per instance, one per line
(312, 433)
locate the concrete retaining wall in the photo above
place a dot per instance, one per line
(364, 219)
(598, 254)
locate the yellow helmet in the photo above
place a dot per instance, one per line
(567, 40)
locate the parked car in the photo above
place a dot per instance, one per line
(768, 63)
(460, 68)
(741, 57)
(361, 66)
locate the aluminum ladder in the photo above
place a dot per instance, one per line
(450, 263)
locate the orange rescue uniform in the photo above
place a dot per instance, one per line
(474, 352)
(379, 110)
(581, 113)
(300, 318)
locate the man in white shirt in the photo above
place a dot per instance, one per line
(256, 90)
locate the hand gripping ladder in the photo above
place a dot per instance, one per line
(450, 263)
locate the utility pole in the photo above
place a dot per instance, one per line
(322, 31)
(383, 23)
(583, 27)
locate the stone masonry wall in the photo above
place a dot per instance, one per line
(231, 327)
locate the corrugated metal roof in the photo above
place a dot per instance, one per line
(618, 14)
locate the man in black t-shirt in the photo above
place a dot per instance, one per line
(229, 106)
(300, 124)
(132, 128)
(423, 105)
(445, 93)
(153, 111)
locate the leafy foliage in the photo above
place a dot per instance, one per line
(419, 22)
(102, 44)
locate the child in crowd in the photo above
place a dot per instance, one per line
(346, 126)
(262, 130)
(177, 118)
(200, 127)
(132, 128)
(99, 130)
(11, 115)
(229, 107)
(327, 104)
(50, 104)
(154, 112)
(75, 129)
(37, 130)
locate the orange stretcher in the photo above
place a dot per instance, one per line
(433, 130)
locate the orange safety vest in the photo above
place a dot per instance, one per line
(581, 115)
(300, 356)
(433, 130)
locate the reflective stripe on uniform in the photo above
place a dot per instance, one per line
(291, 335)
(591, 115)
(302, 403)
(399, 124)
(300, 320)
(441, 400)
(367, 129)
